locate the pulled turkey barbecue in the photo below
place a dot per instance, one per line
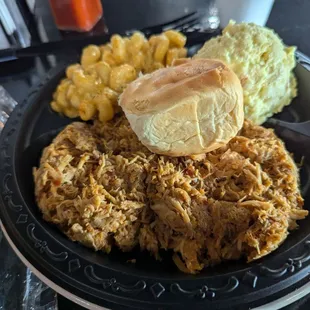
(103, 188)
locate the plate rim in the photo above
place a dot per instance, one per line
(273, 305)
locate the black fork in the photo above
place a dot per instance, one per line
(181, 24)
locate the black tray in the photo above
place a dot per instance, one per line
(109, 280)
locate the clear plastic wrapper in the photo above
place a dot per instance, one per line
(19, 287)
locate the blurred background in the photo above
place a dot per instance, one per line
(37, 23)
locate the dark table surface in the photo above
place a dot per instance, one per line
(289, 18)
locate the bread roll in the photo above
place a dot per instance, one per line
(189, 109)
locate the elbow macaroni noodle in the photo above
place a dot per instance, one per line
(91, 88)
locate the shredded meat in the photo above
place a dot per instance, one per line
(103, 188)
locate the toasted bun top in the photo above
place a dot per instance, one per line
(191, 108)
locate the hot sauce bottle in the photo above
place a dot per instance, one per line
(77, 15)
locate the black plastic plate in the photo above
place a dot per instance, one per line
(101, 278)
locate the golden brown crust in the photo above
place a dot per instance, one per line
(189, 109)
(164, 88)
